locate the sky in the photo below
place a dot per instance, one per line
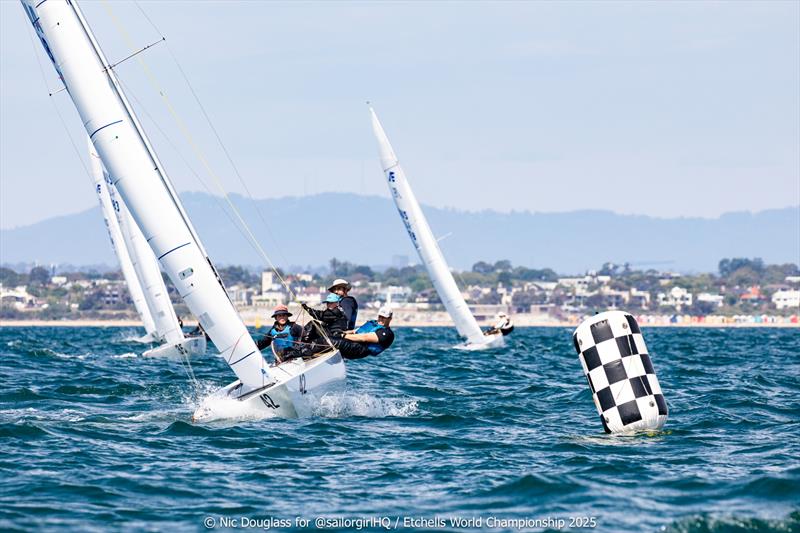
(678, 109)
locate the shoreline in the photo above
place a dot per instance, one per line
(409, 324)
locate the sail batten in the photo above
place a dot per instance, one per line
(141, 181)
(423, 240)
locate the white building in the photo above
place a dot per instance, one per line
(639, 298)
(269, 282)
(17, 297)
(676, 297)
(716, 299)
(786, 299)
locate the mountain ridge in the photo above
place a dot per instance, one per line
(310, 230)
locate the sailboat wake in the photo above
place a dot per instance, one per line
(347, 404)
(228, 409)
(329, 405)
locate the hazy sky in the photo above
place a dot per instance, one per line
(666, 109)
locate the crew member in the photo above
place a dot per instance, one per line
(503, 325)
(348, 304)
(283, 335)
(332, 321)
(371, 338)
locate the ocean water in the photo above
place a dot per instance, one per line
(94, 438)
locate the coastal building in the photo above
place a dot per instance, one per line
(752, 295)
(716, 299)
(786, 299)
(677, 297)
(639, 299)
(17, 297)
(241, 294)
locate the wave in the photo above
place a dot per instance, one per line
(347, 404)
(730, 524)
(128, 355)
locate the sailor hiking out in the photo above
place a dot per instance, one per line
(372, 338)
(503, 325)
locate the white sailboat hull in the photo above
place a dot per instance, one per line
(298, 389)
(186, 347)
(491, 342)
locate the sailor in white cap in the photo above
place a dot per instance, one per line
(348, 304)
(371, 338)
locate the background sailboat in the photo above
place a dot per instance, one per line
(140, 179)
(119, 247)
(427, 247)
(141, 272)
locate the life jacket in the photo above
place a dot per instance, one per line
(281, 340)
(371, 327)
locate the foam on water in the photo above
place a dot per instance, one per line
(346, 404)
(128, 355)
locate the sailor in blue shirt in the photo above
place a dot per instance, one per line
(283, 335)
(373, 337)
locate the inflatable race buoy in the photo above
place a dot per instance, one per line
(621, 376)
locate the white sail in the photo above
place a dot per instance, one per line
(168, 328)
(118, 244)
(142, 182)
(422, 237)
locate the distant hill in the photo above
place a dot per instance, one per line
(366, 230)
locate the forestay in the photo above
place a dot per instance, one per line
(142, 182)
(422, 237)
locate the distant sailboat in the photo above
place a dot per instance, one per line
(141, 272)
(428, 248)
(140, 179)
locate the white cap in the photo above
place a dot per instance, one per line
(338, 282)
(385, 311)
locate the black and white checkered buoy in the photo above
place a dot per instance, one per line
(615, 361)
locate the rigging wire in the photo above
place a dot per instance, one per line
(216, 134)
(190, 139)
(204, 162)
(169, 141)
(58, 112)
(187, 367)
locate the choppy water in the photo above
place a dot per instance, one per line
(94, 437)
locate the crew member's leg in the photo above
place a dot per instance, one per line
(350, 349)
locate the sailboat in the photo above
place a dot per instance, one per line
(141, 272)
(428, 248)
(140, 179)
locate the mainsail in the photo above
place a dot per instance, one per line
(422, 237)
(118, 244)
(142, 182)
(140, 257)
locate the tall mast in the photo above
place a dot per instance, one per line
(142, 182)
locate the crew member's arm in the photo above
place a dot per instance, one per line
(361, 337)
(265, 341)
(315, 314)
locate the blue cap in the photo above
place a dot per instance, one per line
(333, 298)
